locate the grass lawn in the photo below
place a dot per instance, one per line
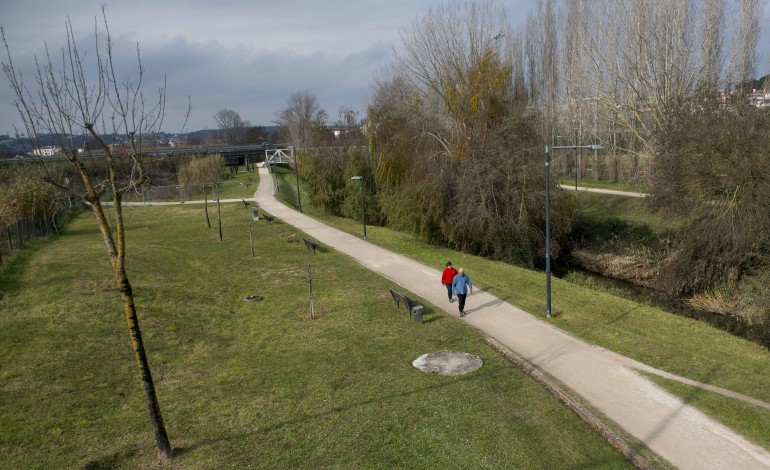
(594, 206)
(251, 384)
(238, 185)
(677, 344)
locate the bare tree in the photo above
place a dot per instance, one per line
(713, 41)
(75, 93)
(231, 124)
(458, 58)
(745, 45)
(348, 117)
(302, 118)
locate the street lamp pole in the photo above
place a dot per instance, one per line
(296, 176)
(548, 150)
(363, 202)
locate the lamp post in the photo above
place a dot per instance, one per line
(363, 202)
(548, 215)
(296, 176)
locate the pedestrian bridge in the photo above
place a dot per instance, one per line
(282, 157)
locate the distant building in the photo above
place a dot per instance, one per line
(760, 98)
(49, 151)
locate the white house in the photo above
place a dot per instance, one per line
(46, 151)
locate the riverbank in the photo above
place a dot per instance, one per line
(622, 246)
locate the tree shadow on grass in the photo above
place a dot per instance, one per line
(120, 457)
(13, 266)
(392, 397)
(114, 459)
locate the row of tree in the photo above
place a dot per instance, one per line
(234, 130)
(457, 123)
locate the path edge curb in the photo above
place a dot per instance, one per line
(615, 441)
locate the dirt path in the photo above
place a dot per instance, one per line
(609, 382)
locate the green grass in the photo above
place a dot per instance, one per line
(287, 187)
(673, 343)
(622, 225)
(251, 384)
(594, 206)
(238, 185)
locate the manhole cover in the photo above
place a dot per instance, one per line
(252, 298)
(448, 363)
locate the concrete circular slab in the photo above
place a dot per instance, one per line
(448, 363)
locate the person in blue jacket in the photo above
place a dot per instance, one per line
(461, 286)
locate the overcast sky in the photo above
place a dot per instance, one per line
(249, 56)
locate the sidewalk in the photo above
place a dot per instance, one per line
(614, 192)
(677, 432)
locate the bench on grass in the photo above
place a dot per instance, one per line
(310, 245)
(414, 307)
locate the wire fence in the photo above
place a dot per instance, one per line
(15, 236)
(177, 193)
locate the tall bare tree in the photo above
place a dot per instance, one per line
(231, 124)
(713, 42)
(73, 93)
(745, 45)
(301, 119)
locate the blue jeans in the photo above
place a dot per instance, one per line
(449, 291)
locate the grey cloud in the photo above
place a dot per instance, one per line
(240, 54)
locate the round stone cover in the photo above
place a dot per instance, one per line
(448, 362)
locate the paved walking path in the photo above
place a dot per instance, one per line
(614, 192)
(609, 382)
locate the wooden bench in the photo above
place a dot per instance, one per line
(412, 306)
(310, 245)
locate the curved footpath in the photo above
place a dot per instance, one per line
(674, 430)
(614, 192)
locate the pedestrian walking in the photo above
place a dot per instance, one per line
(447, 277)
(461, 286)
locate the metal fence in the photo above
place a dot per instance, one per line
(16, 236)
(166, 193)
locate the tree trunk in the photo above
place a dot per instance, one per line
(219, 213)
(116, 250)
(132, 320)
(206, 206)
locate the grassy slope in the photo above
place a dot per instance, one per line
(680, 345)
(251, 383)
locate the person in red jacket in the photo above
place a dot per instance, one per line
(447, 277)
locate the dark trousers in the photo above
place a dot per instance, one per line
(461, 300)
(449, 290)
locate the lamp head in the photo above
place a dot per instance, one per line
(596, 147)
(357, 178)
